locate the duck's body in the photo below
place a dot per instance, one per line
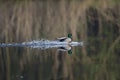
(65, 39)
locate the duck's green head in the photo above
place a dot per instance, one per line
(69, 35)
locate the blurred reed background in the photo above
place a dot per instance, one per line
(95, 21)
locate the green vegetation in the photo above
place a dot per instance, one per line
(95, 21)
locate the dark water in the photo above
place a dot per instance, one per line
(32, 62)
(36, 60)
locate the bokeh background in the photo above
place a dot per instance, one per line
(97, 22)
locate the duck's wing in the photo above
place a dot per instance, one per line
(62, 39)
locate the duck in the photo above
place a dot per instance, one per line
(67, 39)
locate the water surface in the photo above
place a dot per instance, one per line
(37, 59)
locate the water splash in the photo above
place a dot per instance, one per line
(42, 44)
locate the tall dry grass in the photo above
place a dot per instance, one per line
(37, 19)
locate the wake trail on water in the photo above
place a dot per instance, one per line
(42, 44)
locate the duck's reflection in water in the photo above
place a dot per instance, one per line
(66, 48)
(60, 69)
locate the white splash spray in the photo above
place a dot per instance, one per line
(42, 44)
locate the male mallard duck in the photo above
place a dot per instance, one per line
(65, 39)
